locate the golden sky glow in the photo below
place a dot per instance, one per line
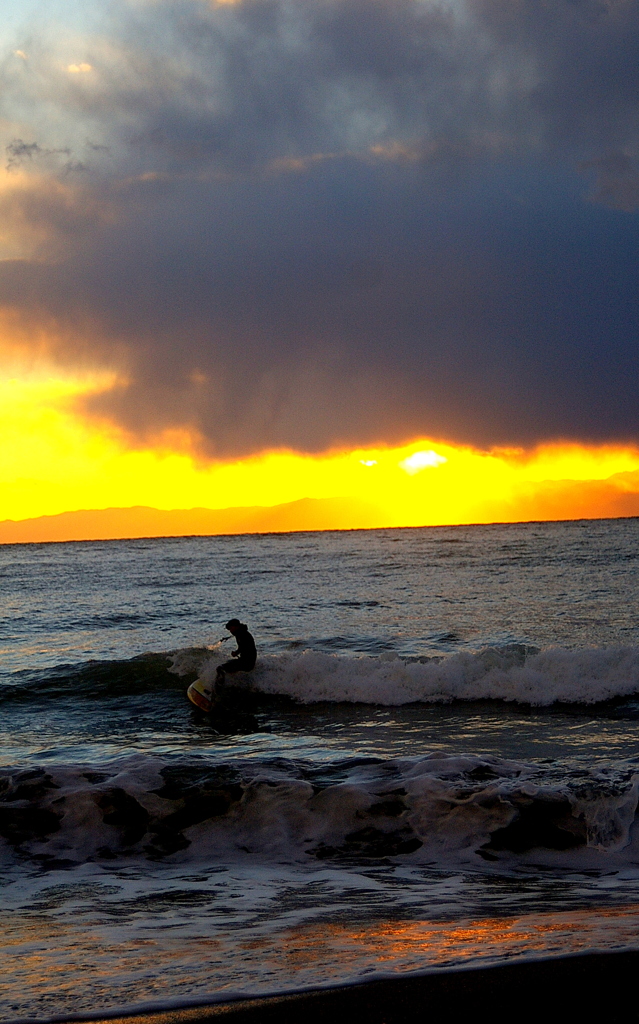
(52, 460)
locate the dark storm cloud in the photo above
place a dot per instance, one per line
(338, 222)
(617, 181)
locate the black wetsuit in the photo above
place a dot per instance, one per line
(245, 656)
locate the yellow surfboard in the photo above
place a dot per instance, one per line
(200, 694)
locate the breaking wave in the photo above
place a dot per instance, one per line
(426, 810)
(515, 672)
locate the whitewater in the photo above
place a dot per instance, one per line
(512, 672)
(434, 762)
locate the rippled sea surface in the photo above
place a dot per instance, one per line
(435, 761)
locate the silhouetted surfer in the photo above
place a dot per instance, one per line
(228, 707)
(244, 657)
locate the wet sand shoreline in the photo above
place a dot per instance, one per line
(591, 986)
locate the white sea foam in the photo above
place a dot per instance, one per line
(510, 673)
(429, 809)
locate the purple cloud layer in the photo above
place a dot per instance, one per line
(333, 222)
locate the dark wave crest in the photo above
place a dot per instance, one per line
(142, 674)
(432, 809)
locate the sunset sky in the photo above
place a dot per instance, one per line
(385, 251)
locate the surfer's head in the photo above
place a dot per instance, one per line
(233, 625)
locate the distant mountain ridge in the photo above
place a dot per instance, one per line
(616, 497)
(143, 521)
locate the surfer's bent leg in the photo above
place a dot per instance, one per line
(230, 668)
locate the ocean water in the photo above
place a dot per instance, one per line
(434, 763)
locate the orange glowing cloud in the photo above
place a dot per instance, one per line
(56, 463)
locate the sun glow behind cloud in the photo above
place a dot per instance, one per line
(53, 460)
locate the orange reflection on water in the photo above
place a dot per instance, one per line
(410, 945)
(56, 967)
